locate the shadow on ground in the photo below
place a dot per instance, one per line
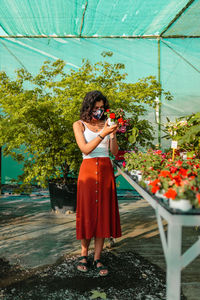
(130, 277)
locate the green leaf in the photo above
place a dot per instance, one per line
(96, 294)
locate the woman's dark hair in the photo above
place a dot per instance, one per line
(88, 104)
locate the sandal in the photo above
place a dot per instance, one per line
(100, 268)
(82, 266)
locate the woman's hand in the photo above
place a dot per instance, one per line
(109, 129)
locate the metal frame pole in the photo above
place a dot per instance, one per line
(0, 167)
(159, 102)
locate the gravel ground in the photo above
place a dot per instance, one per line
(130, 277)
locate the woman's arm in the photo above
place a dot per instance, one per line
(85, 147)
(113, 143)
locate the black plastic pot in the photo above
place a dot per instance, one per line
(63, 196)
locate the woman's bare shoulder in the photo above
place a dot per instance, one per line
(78, 125)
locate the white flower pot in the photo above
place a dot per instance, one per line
(159, 194)
(183, 155)
(137, 173)
(110, 122)
(182, 204)
(147, 183)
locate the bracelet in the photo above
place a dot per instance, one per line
(101, 137)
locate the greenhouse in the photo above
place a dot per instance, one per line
(144, 56)
(153, 38)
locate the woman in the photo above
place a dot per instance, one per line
(97, 212)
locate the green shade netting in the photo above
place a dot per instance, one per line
(188, 23)
(180, 61)
(102, 17)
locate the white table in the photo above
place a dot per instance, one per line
(172, 242)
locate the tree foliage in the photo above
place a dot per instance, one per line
(38, 113)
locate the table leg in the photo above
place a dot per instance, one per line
(173, 260)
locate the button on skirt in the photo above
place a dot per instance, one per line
(97, 213)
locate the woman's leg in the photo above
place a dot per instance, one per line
(84, 246)
(98, 246)
(84, 252)
(99, 242)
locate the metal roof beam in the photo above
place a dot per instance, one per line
(82, 21)
(98, 37)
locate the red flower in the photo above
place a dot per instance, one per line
(121, 121)
(173, 169)
(179, 163)
(112, 115)
(177, 180)
(107, 110)
(124, 164)
(170, 193)
(154, 189)
(158, 152)
(198, 197)
(183, 172)
(155, 182)
(165, 173)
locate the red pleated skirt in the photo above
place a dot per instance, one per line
(97, 213)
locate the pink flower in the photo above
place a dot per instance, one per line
(122, 129)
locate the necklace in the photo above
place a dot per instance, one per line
(96, 127)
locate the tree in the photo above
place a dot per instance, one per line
(38, 113)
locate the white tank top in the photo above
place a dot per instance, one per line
(102, 150)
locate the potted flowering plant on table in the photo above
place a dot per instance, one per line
(186, 131)
(145, 164)
(179, 182)
(176, 181)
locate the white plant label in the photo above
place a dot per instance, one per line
(174, 144)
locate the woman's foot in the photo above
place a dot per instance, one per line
(82, 265)
(101, 269)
